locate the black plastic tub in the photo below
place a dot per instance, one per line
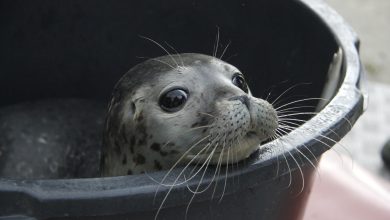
(79, 49)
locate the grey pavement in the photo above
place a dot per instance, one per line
(371, 20)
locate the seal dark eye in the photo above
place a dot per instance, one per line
(239, 81)
(173, 100)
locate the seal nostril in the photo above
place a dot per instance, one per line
(243, 98)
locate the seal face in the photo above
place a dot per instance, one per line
(180, 109)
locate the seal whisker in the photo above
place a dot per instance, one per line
(338, 143)
(204, 126)
(223, 52)
(266, 98)
(196, 165)
(157, 60)
(306, 157)
(300, 152)
(208, 114)
(189, 163)
(287, 112)
(212, 180)
(300, 171)
(273, 138)
(329, 146)
(288, 124)
(199, 161)
(226, 175)
(300, 120)
(160, 61)
(296, 107)
(299, 100)
(233, 156)
(290, 172)
(216, 44)
(292, 97)
(239, 143)
(285, 158)
(180, 174)
(299, 113)
(293, 120)
(323, 136)
(205, 148)
(177, 53)
(217, 169)
(213, 151)
(207, 162)
(227, 167)
(200, 182)
(219, 165)
(234, 55)
(282, 114)
(174, 184)
(290, 88)
(288, 127)
(178, 161)
(311, 153)
(159, 45)
(271, 88)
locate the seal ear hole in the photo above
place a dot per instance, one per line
(132, 107)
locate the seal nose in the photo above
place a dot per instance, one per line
(243, 98)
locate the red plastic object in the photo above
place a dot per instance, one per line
(344, 191)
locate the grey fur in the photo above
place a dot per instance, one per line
(139, 136)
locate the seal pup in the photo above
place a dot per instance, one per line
(180, 109)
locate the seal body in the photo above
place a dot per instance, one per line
(51, 139)
(181, 109)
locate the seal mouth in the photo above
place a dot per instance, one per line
(251, 134)
(248, 144)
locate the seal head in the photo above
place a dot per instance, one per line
(180, 109)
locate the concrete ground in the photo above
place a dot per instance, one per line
(371, 20)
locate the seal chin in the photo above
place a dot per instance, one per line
(232, 154)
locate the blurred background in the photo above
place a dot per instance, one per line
(371, 20)
(354, 182)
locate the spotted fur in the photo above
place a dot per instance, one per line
(139, 136)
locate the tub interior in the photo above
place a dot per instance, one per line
(77, 50)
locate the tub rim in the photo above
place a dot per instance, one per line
(43, 196)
